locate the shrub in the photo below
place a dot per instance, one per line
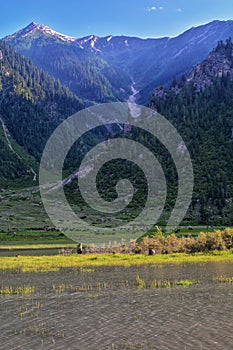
(227, 236)
(204, 242)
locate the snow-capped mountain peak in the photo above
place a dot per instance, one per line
(34, 27)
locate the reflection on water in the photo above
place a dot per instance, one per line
(119, 315)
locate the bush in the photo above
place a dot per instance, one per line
(227, 236)
(204, 242)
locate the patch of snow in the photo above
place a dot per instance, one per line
(92, 39)
(50, 31)
(86, 39)
(109, 38)
(92, 43)
(33, 27)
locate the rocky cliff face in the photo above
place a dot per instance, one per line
(218, 64)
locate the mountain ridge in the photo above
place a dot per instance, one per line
(116, 61)
(219, 63)
(44, 27)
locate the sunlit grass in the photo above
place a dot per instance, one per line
(140, 282)
(185, 283)
(10, 290)
(168, 283)
(54, 263)
(223, 279)
(90, 289)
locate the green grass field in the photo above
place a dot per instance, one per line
(33, 238)
(24, 223)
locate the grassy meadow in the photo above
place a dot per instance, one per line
(57, 262)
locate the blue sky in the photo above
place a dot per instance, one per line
(144, 18)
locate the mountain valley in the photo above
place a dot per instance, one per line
(46, 76)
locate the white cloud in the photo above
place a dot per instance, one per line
(179, 10)
(152, 8)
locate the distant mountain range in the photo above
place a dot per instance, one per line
(188, 79)
(103, 69)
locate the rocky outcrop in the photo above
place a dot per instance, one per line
(218, 64)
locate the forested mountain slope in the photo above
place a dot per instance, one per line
(32, 104)
(200, 106)
(86, 74)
